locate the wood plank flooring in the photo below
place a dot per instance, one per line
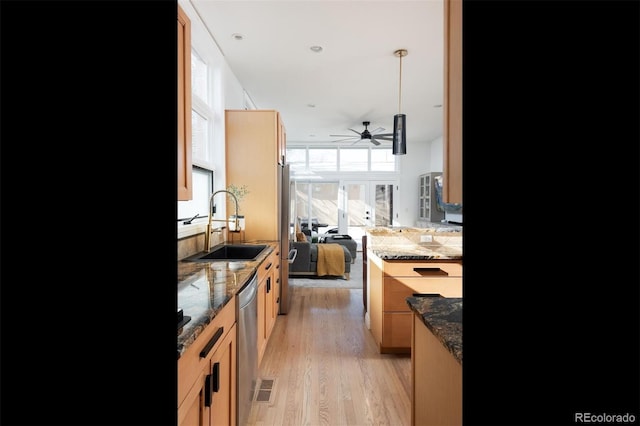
(326, 367)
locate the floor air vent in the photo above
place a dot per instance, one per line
(265, 390)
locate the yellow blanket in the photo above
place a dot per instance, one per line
(330, 259)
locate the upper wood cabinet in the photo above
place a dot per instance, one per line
(452, 105)
(254, 146)
(185, 190)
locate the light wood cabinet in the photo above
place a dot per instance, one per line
(391, 282)
(185, 187)
(207, 374)
(436, 380)
(255, 150)
(268, 299)
(254, 143)
(452, 105)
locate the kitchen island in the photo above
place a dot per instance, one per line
(400, 263)
(436, 361)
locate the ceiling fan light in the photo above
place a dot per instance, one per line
(399, 134)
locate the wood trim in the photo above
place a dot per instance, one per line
(185, 186)
(452, 105)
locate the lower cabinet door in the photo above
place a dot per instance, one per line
(222, 376)
(191, 411)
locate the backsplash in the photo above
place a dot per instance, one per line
(195, 243)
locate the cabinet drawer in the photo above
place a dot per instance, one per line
(395, 296)
(407, 268)
(396, 332)
(445, 286)
(268, 265)
(190, 364)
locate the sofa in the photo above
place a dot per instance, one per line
(306, 258)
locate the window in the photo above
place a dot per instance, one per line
(354, 159)
(382, 160)
(202, 189)
(202, 113)
(297, 159)
(357, 160)
(323, 159)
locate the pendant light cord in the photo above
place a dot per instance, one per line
(400, 53)
(400, 87)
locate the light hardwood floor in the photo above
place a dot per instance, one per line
(326, 369)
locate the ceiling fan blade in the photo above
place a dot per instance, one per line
(357, 133)
(344, 136)
(350, 138)
(379, 129)
(356, 142)
(385, 137)
(375, 142)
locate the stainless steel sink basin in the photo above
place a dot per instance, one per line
(230, 252)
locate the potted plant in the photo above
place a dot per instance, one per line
(240, 192)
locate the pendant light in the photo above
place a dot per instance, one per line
(400, 120)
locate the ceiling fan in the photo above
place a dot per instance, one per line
(373, 136)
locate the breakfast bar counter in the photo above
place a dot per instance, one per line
(443, 317)
(398, 243)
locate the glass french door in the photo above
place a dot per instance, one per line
(317, 204)
(365, 203)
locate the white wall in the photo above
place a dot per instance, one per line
(419, 159)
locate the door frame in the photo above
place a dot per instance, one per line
(370, 196)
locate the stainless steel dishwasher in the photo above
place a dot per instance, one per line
(247, 362)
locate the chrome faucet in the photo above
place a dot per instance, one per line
(207, 236)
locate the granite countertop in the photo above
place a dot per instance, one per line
(204, 288)
(401, 243)
(443, 316)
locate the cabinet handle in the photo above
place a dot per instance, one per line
(207, 391)
(211, 384)
(212, 342)
(215, 380)
(268, 267)
(430, 271)
(268, 284)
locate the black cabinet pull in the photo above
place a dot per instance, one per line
(205, 351)
(430, 271)
(215, 380)
(268, 284)
(268, 266)
(207, 391)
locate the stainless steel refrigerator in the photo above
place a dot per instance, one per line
(285, 230)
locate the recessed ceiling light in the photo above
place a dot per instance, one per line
(237, 36)
(311, 105)
(438, 106)
(316, 49)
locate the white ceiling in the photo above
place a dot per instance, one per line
(355, 78)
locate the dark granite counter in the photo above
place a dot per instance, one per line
(204, 288)
(436, 243)
(443, 316)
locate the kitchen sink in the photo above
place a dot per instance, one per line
(229, 252)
